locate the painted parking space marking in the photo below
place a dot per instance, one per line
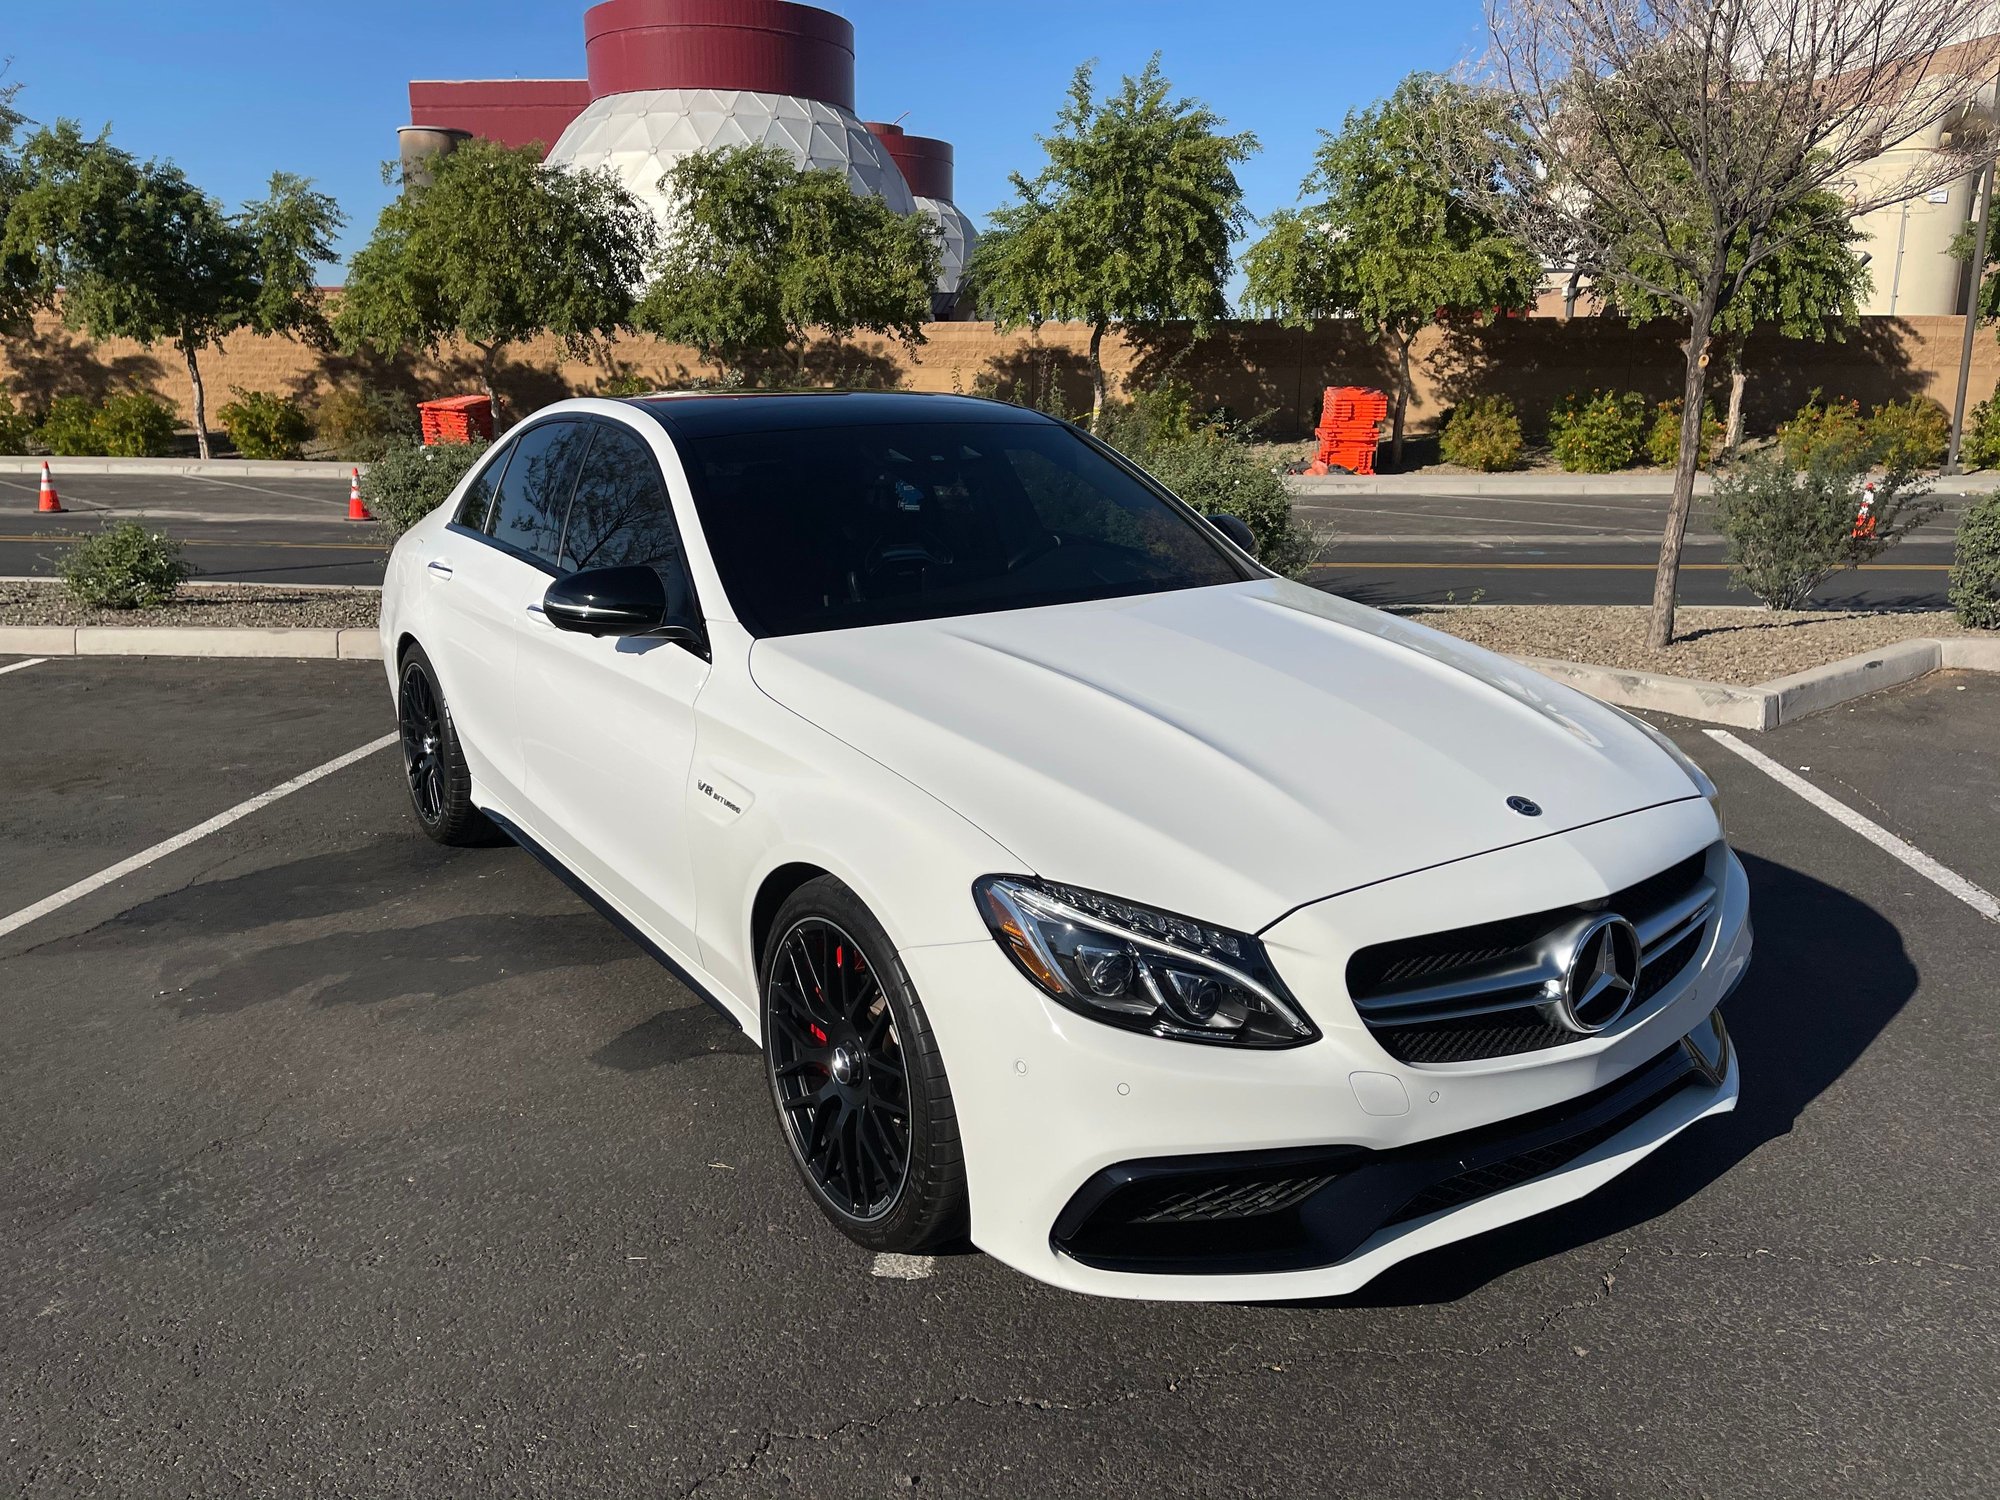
(179, 841)
(20, 666)
(1979, 900)
(894, 1267)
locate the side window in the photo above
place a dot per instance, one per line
(477, 503)
(534, 493)
(621, 515)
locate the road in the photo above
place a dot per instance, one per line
(1414, 549)
(1565, 549)
(339, 1163)
(243, 531)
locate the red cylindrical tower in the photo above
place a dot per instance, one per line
(765, 46)
(924, 160)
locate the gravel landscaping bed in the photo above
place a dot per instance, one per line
(199, 604)
(1736, 644)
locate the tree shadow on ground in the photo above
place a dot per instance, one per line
(1820, 954)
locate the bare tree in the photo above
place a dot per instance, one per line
(1678, 145)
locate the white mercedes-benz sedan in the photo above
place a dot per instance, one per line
(1165, 927)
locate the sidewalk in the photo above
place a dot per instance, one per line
(1657, 486)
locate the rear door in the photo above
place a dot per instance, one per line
(487, 582)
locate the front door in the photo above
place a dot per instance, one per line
(607, 723)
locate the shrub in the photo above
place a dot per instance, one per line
(1598, 435)
(1909, 435)
(360, 424)
(1833, 429)
(263, 424)
(69, 427)
(626, 381)
(135, 425)
(1981, 448)
(1483, 433)
(15, 428)
(1788, 530)
(132, 425)
(410, 480)
(125, 567)
(1211, 467)
(1975, 566)
(1663, 442)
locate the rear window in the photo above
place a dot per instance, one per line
(826, 528)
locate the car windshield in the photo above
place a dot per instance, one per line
(824, 528)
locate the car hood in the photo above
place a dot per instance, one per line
(1226, 752)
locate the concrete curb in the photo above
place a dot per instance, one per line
(1766, 705)
(298, 643)
(194, 468)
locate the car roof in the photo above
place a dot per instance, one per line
(700, 414)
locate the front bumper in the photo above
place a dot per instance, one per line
(1049, 1102)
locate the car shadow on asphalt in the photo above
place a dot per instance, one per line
(1830, 973)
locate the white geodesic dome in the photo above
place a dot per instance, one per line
(640, 135)
(956, 237)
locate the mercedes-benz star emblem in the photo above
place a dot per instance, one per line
(1527, 807)
(1602, 978)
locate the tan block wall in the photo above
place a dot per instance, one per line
(1258, 371)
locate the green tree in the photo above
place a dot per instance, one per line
(495, 248)
(1686, 131)
(764, 252)
(137, 251)
(1810, 288)
(19, 293)
(1131, 219)
(1393, 240)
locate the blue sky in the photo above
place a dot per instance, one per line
(233, 89)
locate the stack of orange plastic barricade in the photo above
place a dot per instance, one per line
(1350, 417)
(456, 419)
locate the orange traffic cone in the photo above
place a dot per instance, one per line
(1864, 520)
(49, 499)
(356, 511)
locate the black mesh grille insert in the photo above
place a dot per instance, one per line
(1383, 969)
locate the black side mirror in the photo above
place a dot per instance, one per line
(620, 601)
(1237, 530)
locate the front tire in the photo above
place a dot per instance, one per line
(855, 1073)
(434, 768)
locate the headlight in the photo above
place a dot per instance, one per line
(1694, 772)
(1141, 969)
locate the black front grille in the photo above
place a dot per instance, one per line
(1493, 968)
(1502, 1034)
(1663, 970)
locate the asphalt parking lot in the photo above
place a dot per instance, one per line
(341, 1164)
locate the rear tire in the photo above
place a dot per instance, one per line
(856, 1076)
(434, 769)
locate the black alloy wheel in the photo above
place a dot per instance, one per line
(422, 722)
(838, 1065)
(856, 1076)
(434, 768)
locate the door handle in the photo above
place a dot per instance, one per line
(439, 567)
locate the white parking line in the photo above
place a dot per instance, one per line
(33, 661)
(200, 831)
(895, 1267)
(1979, 900)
